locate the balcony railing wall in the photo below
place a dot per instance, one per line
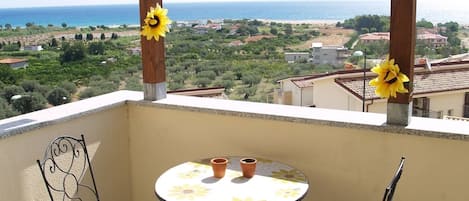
(106, 134)
(345, 155)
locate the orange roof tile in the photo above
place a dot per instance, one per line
(424, 82)
(12, 61)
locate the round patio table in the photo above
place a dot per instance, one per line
(193, 180)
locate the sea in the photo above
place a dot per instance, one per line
(284, 11)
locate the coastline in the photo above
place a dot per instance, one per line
(295, 22)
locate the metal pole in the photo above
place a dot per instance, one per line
(364, 82)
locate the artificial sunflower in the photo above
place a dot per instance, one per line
(390, 80)
(156, 23)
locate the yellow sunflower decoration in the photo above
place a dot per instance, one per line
(156, 23)
(390, 80)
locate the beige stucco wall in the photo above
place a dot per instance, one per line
(106, 135)
(307, 96)
(328, 95)
(445, 102)
(341, 163)
(377, 106)
(289, 86)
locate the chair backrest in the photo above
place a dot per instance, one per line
(389, 192)
(65, 168)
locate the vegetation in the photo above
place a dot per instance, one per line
(87, 65)
(367, 23)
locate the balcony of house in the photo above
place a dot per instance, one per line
(345, 155)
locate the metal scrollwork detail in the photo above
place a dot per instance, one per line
(64, 168)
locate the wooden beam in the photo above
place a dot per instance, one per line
(402, 45)
(153, 59)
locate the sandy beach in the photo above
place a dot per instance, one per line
(315, 22)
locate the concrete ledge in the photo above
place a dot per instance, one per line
(428, 127)
(23, 123)
(437, 128)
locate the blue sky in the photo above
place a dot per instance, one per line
(45, 3)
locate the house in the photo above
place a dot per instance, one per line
(204, 28)
(334, 55)
(432, 39)
(441, 91)
(292, 57)
(454, 58)
(15, 63)
(33, 48)
(213, 92)
(374, 37)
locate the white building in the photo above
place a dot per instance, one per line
(333, 55)
(33, 48)
(15, 63)
(294, 57)
(441, 91)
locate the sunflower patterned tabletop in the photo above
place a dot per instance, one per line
(194, 181)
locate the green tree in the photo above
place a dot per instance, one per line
(288, 29)
(8, 27)
(30, 85)
(274, 31)
(424, 24)
(202, 82)
(8, 75)
(6, 111)
(64, 25)
(251, 78)
(103, 36)
(175, 86)
(58, 96)
(114, 36)
(96, 48)
(75, 52)
(69, 86)
(89, 36)
(53, 43)
(29, 24)
(10, 91)
(28, 102)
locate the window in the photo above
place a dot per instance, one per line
(421, 107)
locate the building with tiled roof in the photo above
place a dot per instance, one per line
(431, 39)
(374, 37)
(434, 40)
(213, 92)
(15, 63)
(440, 91)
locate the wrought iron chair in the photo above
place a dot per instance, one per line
(389, 192)
(64, 170)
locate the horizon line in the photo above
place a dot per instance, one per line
(187, 2)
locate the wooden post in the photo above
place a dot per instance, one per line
(402, 44)
(153, 59)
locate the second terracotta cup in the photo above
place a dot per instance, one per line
(248, 166)
(219, 166)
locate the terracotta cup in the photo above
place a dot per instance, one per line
(248, 166)
(219, 166)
